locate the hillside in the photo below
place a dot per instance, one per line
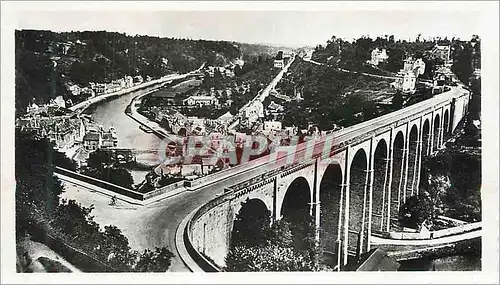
(331, 96)
(46, 62)
(354, 54)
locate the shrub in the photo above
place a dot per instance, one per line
(415, 211)
(267, 258)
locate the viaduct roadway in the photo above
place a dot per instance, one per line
(164, 217)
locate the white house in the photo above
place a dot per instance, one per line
(272, 125)
(278, 60)
(254, 111)
(129, 81)
(406, 83)
(201, 101)
(59, 101)
(279, 63)
(378, 55)
(75, 89)
(92, 141)
(408, 75)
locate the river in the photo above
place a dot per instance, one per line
(111, 112)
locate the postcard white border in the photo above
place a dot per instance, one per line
(485, 12)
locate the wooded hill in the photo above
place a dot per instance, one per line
(47, 61)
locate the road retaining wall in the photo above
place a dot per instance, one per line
(166, 191)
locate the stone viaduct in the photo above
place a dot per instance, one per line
(351, 190)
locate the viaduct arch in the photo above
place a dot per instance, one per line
(352, 190)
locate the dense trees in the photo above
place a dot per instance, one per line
(453, 183)
(37, 191)
(267, 258)
(157, 260)
(43, 68)
(258, 246)
(251, 225)
(452, 178)
(329, 96)
(101, 166)
(36, 79)
(415, 211)
(466, 57)
(40, 211)
(353, 55)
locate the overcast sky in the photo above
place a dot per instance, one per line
(292, 28)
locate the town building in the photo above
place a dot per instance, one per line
(113, 87)
(120, 82)
(407, 77)
(225, 118)
(254, 111)
(287, 56)
(378, 56)
(64, 132)
(129, 81)
(405, 82)
(32, 108)
(442, 51)
(98, 88)
(92, 141)
(96, 137)
(108, 140)
(53, 109)
(477, 73)
(74, 89)
(272, 126)
(65, 47)
(229, 72)
(442, 75)
(58, 101)
(87, 91)
(197, 125)
(210, 71)
(201, 101)
(278, 60)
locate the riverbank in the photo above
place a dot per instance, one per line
(85, 104)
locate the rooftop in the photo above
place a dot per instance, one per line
(91, 137)
(200, 97)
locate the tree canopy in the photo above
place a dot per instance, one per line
(40, 209)
(258, 246)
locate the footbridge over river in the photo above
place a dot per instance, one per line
(351, 182)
